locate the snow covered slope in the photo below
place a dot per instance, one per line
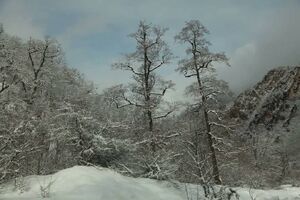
(89, 183)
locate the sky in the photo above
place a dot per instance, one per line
(256, 35)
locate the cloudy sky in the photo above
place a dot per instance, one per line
(256, 35)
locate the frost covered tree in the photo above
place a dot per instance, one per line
(199, 65)
(146, 94)
(10, 58)
(148, 89)
(43, 58)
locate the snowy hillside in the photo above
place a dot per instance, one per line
(89, 183)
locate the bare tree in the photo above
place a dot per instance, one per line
(146, 95)
(198, 66)
(10, 54)
(148, 88)
(43, 57)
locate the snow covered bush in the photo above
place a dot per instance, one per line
(107, 152)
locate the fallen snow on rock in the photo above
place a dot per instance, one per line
(89, 183)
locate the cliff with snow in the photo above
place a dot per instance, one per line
(268, 117)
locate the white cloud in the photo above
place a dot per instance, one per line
(17, 21)
(276, 43)
(241, 73)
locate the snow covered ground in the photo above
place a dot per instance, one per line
(89, 183)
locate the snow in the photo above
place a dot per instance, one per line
(89, 183)
(286, 192)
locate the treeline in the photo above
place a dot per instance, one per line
(51, 118)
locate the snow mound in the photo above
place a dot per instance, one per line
(89, 183)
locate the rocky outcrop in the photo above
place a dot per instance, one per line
(267, 124)
(271, 102)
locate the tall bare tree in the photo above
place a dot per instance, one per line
(146, 95)
(198, 65)
(148, 89)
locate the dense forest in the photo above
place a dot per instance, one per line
(52, 118)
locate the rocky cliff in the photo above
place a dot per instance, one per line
(268, 119)
(272, 102)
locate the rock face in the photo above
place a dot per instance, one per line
(272, 102)
(268, 118)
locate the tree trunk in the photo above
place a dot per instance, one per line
(150, 120)
(210, 140)
(147, 86)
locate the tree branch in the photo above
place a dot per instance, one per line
(4, 86)
(190, 75)
(163, 116)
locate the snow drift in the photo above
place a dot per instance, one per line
(89, 183)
